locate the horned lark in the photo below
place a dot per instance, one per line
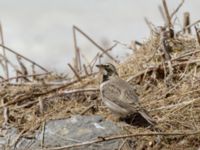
(118, 95)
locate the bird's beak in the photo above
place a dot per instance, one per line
(100, 66)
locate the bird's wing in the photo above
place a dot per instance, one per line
(128, 92)
(130, 96)
(120, 92)
(111, 92)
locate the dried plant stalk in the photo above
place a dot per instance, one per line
(74, 71)
(168, 18)
(85, 69)
(197, 35)
(177, 9)
(77, 64)
(94, 43)
(4, 52)
(27, 59)
(186, 23)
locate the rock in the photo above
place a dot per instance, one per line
(74, 130)
(9, 134)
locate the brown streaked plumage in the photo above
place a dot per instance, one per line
(119, 96)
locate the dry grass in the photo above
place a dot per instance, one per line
(174, 103)
(166, 79)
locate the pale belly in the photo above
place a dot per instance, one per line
(115, 108)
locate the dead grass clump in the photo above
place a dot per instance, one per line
(172, 99)
(165, 71)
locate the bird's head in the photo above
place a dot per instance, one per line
(109, 70)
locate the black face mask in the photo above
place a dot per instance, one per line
(105, 78)
(107, 74)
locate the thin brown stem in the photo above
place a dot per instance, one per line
(177, 9)
(81, 90)
(189, 26)
(23, 76)
(110, 138)
(85, 69)
(166, 10)
(94, 43)
(10, 63)
(75, 72)
(87, 109)
(77, 64)
(75, 49)
(4, 51)
(27, 59)
(197, 35)
(186, 23)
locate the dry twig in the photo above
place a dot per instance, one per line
(168, 18)
(94, 43)
(197, 34)
(12, 51)
(75, 72)
(4, 52)
(177, 9)
(98, 140)
(186, 23)
(24, 76)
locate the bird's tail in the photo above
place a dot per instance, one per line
(144, 114)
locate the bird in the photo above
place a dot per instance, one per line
(118, 95)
